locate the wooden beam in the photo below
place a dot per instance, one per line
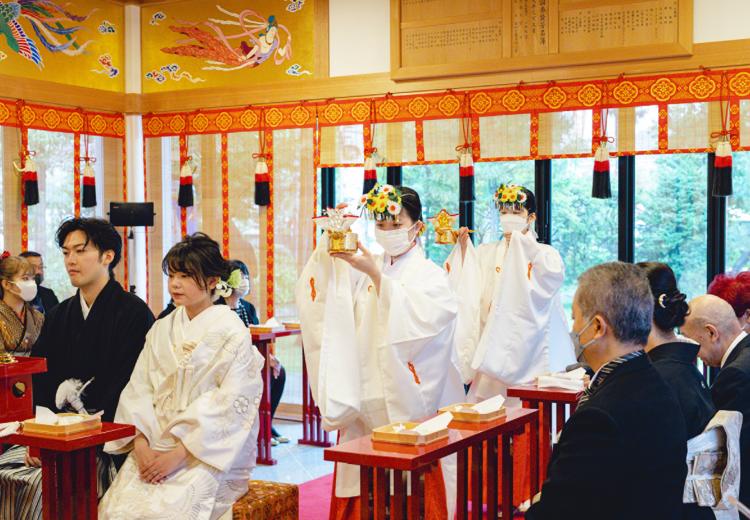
(52, 93)
(712, 55)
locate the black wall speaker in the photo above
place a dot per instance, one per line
(130, 214)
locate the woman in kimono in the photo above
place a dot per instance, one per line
(378, 337)
(20, 322)
(512, 325)
(193, 398)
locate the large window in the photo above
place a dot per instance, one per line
(54, 162)
(584, 229)
(670, 216)
(487, 177)
(437, 185)
(738, 216)
(348, 185)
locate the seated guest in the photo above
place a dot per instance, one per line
(675, 359)
(20, 323)
(96, 334)
(621, 455)
(713, 323)
(734, 289)
(45, 298)
(246, 311)
(193, 398)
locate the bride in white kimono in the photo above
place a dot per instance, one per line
(193, 398)
(378, 337)
(512, 326)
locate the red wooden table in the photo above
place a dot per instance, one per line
(16, 396)
(312, 430)
(69, 470)
(542, 399)
(377, 458)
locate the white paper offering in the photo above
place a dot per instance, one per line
(9, 428)
(45, 416)
(490, 405)
(559, 382)
(435, 424)
(70, 419)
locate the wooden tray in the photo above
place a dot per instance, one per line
(466, 414)
(407, 436)
(30, 427)
(292, 325)
(257, 329)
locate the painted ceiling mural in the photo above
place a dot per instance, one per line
(77, 42)
(201, 44)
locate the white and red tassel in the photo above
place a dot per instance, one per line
(185, 194)
(601, 188)
(371, 173)
(89, 185)
(29, 180)
(722, 185)
(466, 174)
(262, 186)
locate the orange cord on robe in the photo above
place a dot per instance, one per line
(435, 507)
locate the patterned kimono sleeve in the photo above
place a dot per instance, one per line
(218, 424)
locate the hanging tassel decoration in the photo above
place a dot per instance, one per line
(185, 195)
(466, 174)
(262, 180)
(602, 187)
(89, 183)
(371, 174)
(28, 178)
(465, 158)
(262, 188)
(722, 184)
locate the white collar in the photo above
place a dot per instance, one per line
(742, 335)
(85, 309)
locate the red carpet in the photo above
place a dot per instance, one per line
(315, 498)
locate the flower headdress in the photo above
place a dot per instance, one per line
(383, 202)
(225, 287)
(510, 196)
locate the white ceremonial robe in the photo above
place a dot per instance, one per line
(197, 382)
(377, 358)
(512, 326)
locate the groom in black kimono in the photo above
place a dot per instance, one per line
(100, 331)
(97, 333)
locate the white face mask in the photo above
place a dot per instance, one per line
(244, 287)
(27, 288)
(394, 242)
(511, 223)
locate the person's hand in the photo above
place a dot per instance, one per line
(463, 239)
(275, 366)
(164, 464)
(364, 262)
(143, 453)
(30, 461)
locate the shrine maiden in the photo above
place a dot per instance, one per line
(378, 336)
(512, 323)
(193, 398)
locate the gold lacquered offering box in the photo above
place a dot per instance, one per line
(465, 413)
(30, 427)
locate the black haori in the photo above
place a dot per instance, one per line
(89, 186)
(466, 175)
(185, 195)
(262, 180)
(722, 185)
(371, 174)
(601, 188)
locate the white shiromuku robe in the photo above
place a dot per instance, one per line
(197, 382)
(512, 326)
(377, 358)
